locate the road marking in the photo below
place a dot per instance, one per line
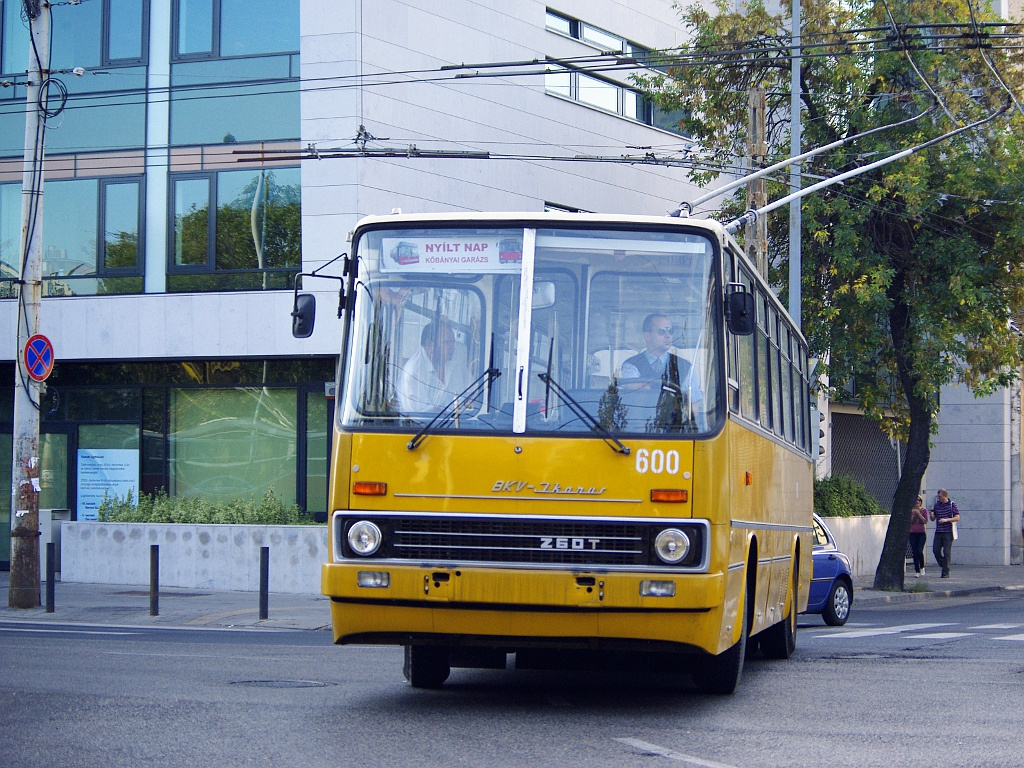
(885, 630)
(64, 631)
(998, 626)
(942, 635)
(1010, 637)
(654, 749)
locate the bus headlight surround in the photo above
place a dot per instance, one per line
(672, 546)
(364, 538)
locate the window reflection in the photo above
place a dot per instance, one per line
(258, 26)
(69, 240)
(124, 35)
(78, 30)
(245, 27)
(15, 39)
(191, 221)
(264, 112)
(256, 229)
(195, 26)
(121, 226)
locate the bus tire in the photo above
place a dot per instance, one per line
(779, 640)
(721, 674)
(426, 666)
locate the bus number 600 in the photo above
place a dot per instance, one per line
(657, 461)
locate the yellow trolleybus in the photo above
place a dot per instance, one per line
(602, 445)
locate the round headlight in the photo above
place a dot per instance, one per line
(364, 538)
(672, 545)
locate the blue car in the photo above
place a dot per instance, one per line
(832, 581)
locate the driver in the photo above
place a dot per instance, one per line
(432, 377)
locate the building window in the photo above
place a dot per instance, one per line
(598, 92)
(235, 230)
(98, 34)
(92, 241)
(227, 444)
(13, 40)
(595, 36)
(223, 28)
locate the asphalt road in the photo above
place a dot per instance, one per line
(930, 684)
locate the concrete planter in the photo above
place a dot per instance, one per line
(194, 556)
(861, 539)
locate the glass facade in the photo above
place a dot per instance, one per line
(252, 238)
(218, 430)
(234, 79)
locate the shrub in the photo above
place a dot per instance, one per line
(161, 508)
(841, 496)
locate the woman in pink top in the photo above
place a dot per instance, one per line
(918, 517)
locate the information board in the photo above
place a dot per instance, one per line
(111, 472)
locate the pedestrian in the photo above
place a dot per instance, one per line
(918, 518)
(946, 515)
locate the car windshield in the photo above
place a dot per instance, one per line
(558, 331)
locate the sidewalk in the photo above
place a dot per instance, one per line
(128, 605)
(110, 604)
(963, 580)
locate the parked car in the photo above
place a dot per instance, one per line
(832, 579)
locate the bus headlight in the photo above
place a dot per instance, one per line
(364, 538)
(672, 545)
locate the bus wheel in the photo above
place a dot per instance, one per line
(426, 666)
(779, 640)
(721, 674)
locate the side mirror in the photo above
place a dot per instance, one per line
(303, 315)
(543, 295)
(739, 310)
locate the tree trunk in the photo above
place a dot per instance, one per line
(891, 564)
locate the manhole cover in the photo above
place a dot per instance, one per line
(282, 683)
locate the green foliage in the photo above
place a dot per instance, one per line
(841, 496)
(910, 271)
(161, 508)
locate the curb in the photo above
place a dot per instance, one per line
(874, 596)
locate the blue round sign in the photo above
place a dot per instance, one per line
(39, 357)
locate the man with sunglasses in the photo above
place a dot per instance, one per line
(656, 360)
(657, 368)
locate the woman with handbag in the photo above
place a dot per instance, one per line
(918, 518)
(946, 515)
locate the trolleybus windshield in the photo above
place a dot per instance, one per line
(548, 331)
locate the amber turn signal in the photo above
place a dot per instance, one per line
(370, 489)
(669, 495)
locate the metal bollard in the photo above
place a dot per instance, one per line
(264, 581)
(51, 574)
(154, 579)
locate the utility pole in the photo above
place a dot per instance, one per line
(756, 239)
(24, 590)
(795, 224)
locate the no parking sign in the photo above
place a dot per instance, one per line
(39, 357)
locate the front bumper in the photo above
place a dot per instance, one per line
(512, 606)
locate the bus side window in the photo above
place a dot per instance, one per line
(746, 373)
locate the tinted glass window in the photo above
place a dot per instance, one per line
(191, 221)
(124, 37)
(258, 26)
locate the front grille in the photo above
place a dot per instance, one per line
(527, 541)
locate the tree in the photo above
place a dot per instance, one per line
(912, 272)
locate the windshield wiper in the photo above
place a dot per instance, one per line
(461, 402)
(584, 415)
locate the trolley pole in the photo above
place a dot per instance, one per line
(24, 590)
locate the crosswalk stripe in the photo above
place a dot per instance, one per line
(942, 635)
(1010, 637)
(886, 630)
(998, 626)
